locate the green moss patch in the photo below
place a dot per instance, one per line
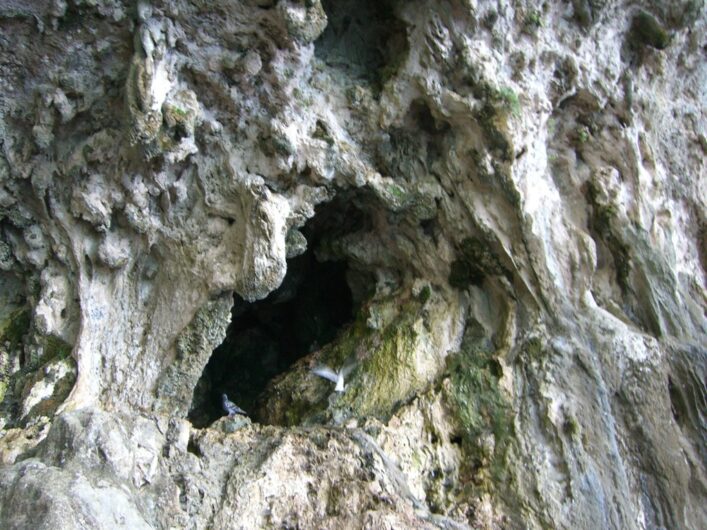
(55, 348)
(480, 404)
(496, 105)
(389, 369)
(647, 31)
(14, 327)
(588, 12)
(532, 22)
(12, 331)
(509, 100)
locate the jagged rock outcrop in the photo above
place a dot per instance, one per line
(515, 192)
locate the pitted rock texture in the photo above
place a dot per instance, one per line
(521, 211)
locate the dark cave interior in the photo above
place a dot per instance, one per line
(264, 338)
(363, 39)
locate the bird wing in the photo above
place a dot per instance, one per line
(326, 373)
(348, 367)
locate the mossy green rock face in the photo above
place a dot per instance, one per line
(392, 368)
(417, 198)
(483, 410)
(181, 110)
(647, 31)
(14, 327)
(397, 351)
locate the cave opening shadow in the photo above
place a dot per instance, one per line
(363, 39)
(267, 336)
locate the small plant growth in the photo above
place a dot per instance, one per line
(509, 100)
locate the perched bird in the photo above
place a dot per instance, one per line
(230, 408)
(335, 377)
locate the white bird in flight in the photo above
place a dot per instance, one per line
(335, 377)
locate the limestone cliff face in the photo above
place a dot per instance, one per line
(513, 191)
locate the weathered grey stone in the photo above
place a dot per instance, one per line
(518, 193)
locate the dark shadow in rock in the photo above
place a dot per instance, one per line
(363, 39)
(265, 338)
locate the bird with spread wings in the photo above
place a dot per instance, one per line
(335, 377)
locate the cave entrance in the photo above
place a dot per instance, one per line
(266, 337)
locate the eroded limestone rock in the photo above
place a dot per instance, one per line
(516, 191)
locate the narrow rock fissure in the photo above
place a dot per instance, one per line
(265, 338)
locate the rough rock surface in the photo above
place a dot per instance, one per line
(517, 189)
